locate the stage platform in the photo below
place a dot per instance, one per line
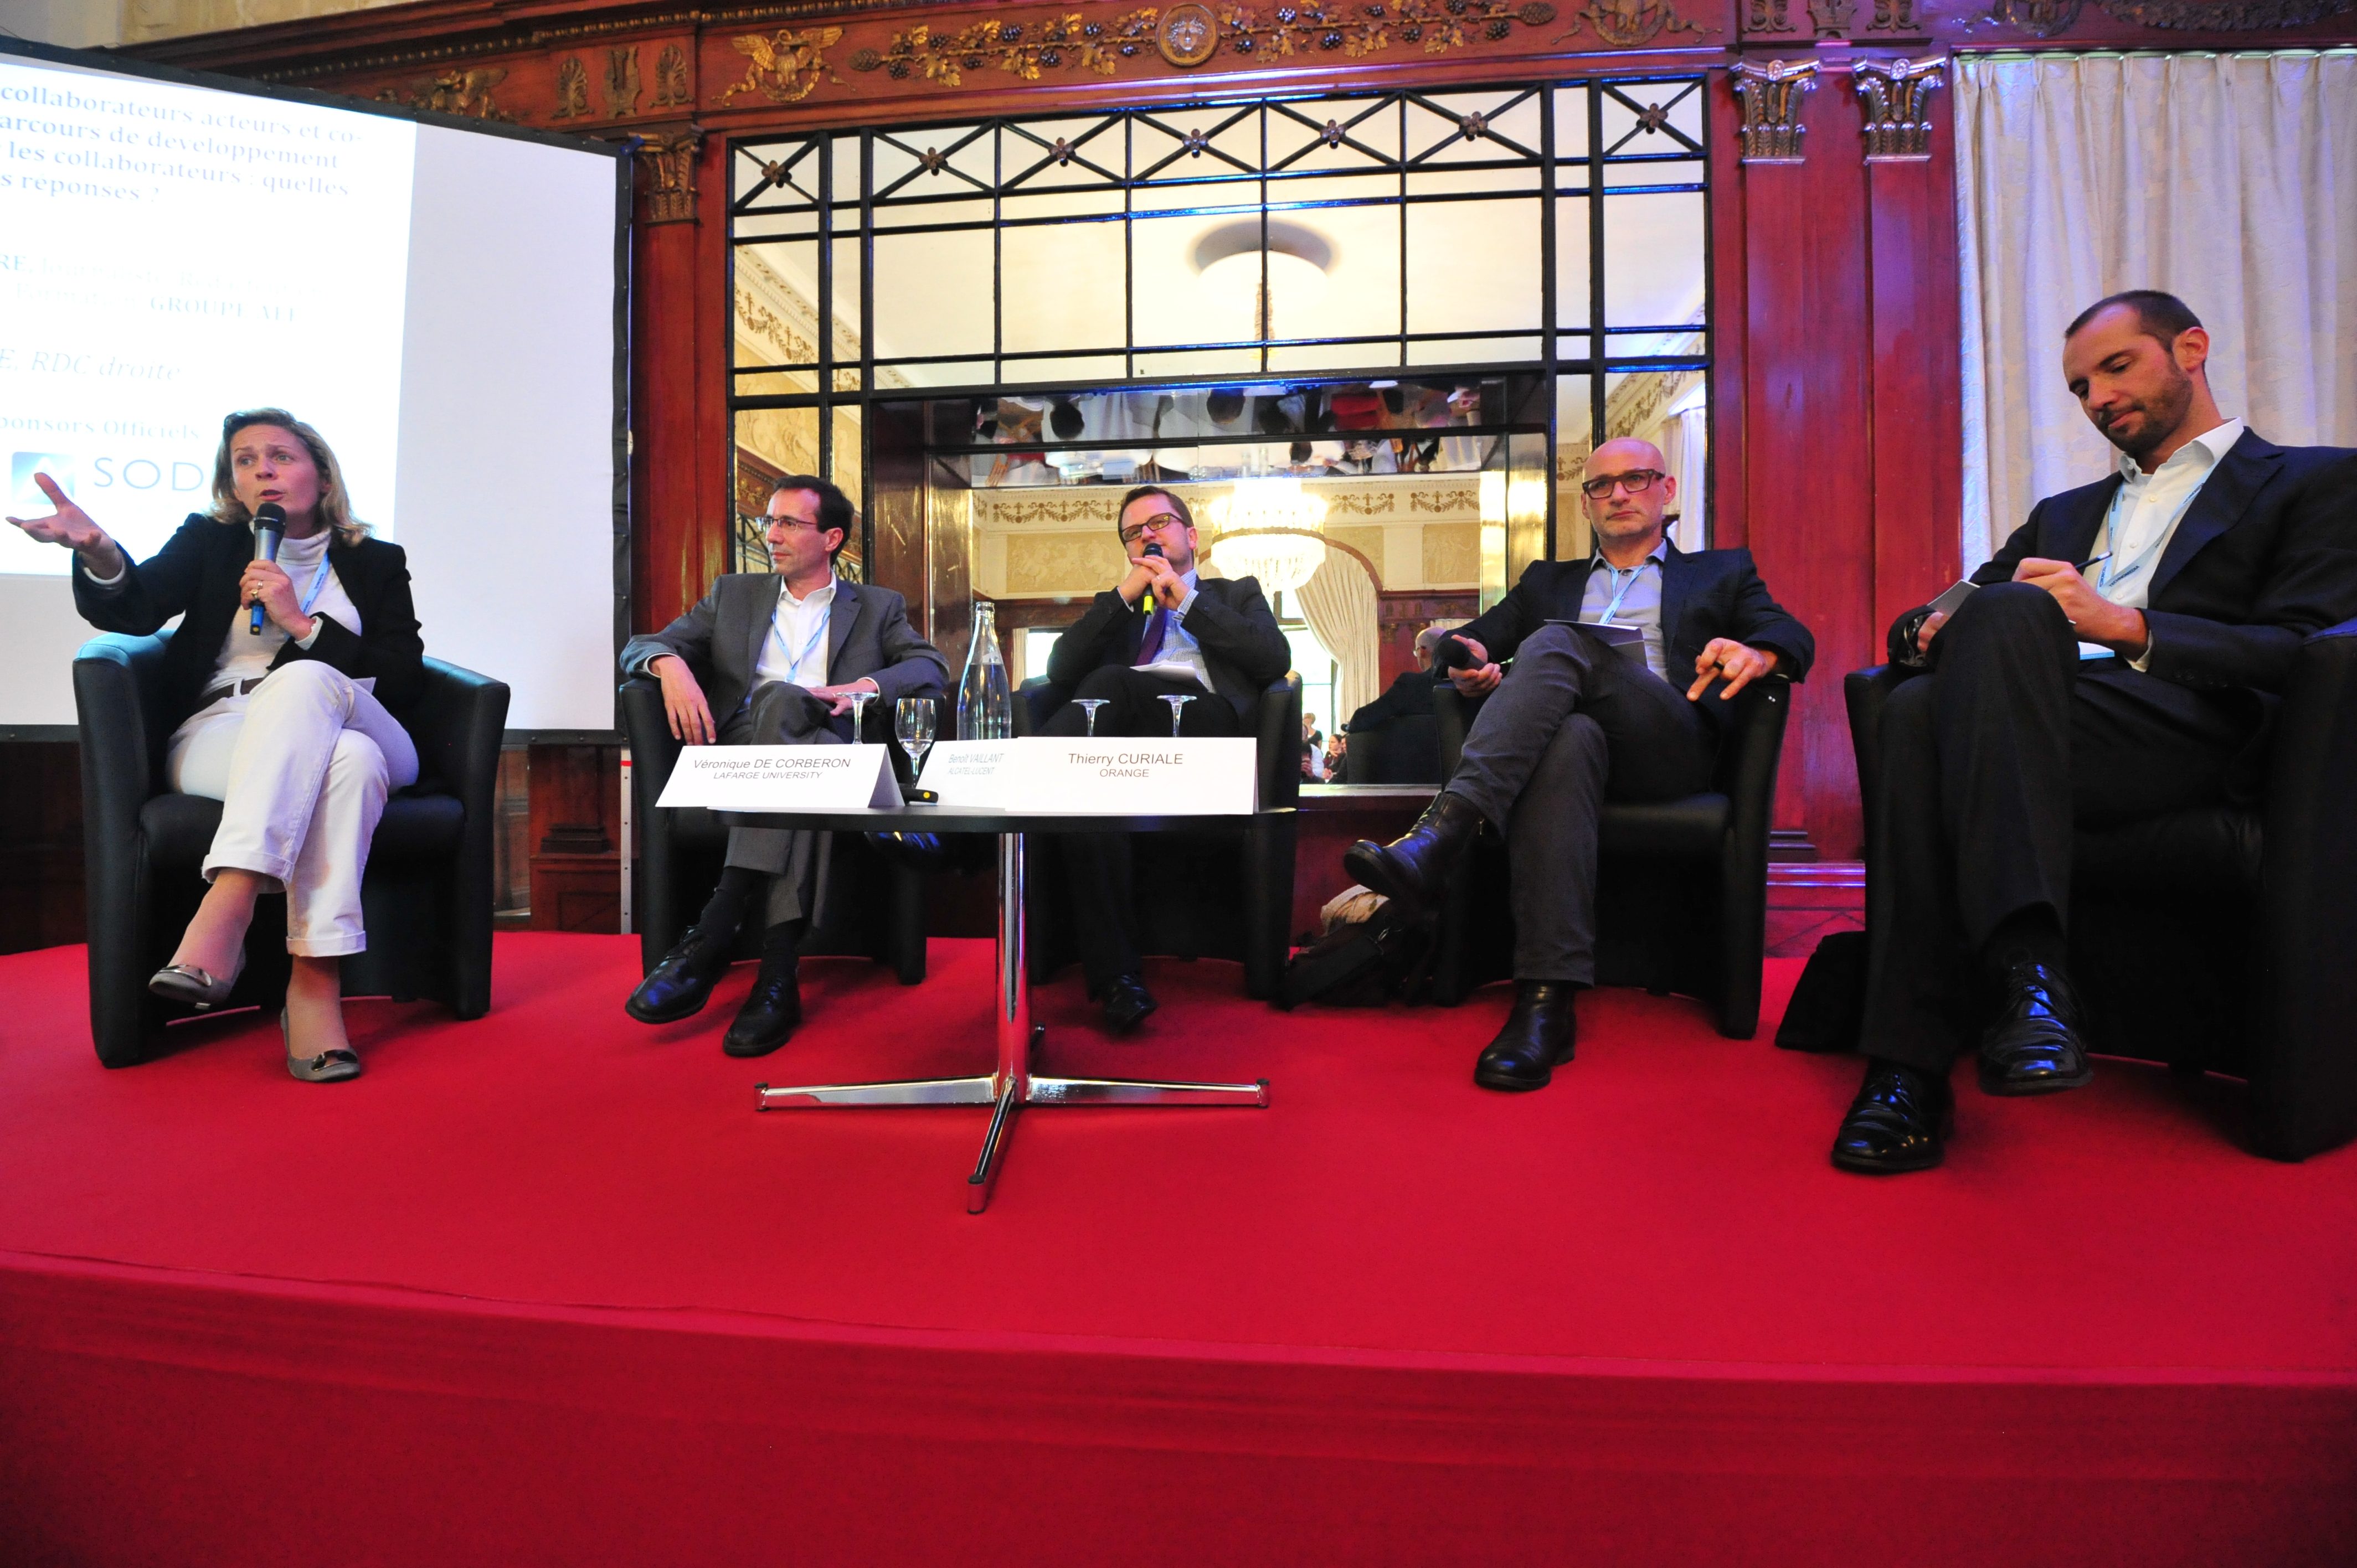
(544, 1288)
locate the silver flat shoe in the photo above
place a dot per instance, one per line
(327, 1066)
(191, 986)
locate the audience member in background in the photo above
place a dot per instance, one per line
(1410, 693)
(1158, 632)
(2119, 661)
(1576, 720)
(297, 729)
(1313, 743)
(782, 652)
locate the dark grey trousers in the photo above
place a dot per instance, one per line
(1990, 763)
(795, 861)
(1572, 722)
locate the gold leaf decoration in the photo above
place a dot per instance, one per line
(786, 65)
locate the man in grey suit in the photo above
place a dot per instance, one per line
(782, 652)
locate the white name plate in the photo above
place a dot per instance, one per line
(1101, 778)
(782, 779)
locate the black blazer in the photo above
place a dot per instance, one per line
(195, 575)
(1705, 594)
(1230, 621)
(1409, 696)
(2265, 556)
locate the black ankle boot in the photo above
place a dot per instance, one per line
(1412, 870)
(681, 982)
(1539, 1035)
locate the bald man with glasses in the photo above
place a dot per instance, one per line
(1573, 720)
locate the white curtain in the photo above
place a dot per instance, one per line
(1686, 447)
(2229, 180)
(1339, 603)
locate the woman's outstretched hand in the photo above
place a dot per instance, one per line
(71, 527)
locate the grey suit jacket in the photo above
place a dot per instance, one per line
(867, 634)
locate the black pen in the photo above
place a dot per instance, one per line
(2092, 561)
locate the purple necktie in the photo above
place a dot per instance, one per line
(1152, 644)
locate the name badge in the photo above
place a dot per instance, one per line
(782, 779)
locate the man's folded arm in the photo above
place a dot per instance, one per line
(1760, 622)
(1081, 647)
(1500, 629)
(1245, 634)
(912, 664)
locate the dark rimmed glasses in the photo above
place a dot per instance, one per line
(1636, 481)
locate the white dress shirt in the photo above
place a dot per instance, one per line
(2143, 519)
(795, 650)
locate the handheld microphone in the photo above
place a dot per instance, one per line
(1145, 602)
(269, 532)
(1450, 653)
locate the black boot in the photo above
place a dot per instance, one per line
(1126, 1003)
(681, 983)
(774, 1007)
(1539, 1035)
(2035, 1048)
(1900, 1121)
(1412, 870)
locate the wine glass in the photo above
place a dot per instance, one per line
(1178, 705)
(859, 700)
(1088, 706)
(912, 721)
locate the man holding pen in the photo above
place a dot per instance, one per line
(2113, 664)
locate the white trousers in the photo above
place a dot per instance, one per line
(302, 767)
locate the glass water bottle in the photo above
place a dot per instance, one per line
(986, 705)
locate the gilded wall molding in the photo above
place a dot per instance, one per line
(668, 194)
(2225, 15)
(1773, 130)
(1897, 95)
(786, 65)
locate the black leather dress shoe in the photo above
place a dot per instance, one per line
(1127, 1003)
(770, 1013)
(1538, 1036)
(2034, 1046)
(679, 985)
(1900, 1121)
(1411, 869)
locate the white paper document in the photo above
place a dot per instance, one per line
(783, 779)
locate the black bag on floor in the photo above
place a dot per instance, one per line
(1361, 965)
(1828, 1012)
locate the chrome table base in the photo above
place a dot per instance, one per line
(1013, 1086)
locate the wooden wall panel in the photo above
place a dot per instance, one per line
(1807, 462)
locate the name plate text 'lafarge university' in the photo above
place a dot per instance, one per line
(782, 779)
(1129, 777)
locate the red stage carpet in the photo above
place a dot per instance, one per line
(545, 1288)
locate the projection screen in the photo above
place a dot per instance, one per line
(443, 299)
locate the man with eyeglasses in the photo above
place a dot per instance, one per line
(782, 652)
(1161, 632)
(1575, 721)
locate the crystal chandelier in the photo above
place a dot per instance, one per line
(1242, 545)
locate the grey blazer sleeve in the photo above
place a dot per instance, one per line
(912, 666)
(690, 636)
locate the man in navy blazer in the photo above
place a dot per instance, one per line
(2119, 661)
(1576, 720)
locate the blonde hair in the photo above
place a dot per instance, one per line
(335, 501)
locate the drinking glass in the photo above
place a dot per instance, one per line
(859, 700)
(1088, 706)
(912, 721)
(1177, 705)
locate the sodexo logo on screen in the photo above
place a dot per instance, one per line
(81, 478)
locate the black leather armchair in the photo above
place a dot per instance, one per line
(1681, 900)
(874, 908)
(426, 898)
(2222, 939)
(1193, 884)
(1404, 751)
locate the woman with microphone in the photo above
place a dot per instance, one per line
(287, 679)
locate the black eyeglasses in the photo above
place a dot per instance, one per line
(1165, 523)
(1637, 481)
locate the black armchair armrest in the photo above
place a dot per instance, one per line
(459, 722)
(1864, 692)
(2304, 1084)
(1279, 738)
(118, 686)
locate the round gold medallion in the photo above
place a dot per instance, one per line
(1188, 36)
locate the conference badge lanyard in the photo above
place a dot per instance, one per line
(1621, 590)
(794, 661)
(2115, 572)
